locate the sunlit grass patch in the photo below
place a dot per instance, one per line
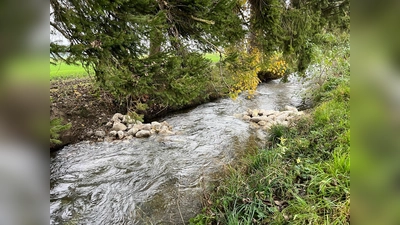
(62, 70)
(214, 57)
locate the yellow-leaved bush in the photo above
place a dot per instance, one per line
(242, 71)
(276, 65)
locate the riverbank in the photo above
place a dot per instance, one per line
(88, 109)
(159, 179)
(301, 177)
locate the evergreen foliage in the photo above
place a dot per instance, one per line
(276, 26)
(56, 127)
(139, 49)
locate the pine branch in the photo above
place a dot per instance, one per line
(203, 20)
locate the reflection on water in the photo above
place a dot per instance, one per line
(159, 180)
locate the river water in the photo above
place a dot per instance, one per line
(162, 179)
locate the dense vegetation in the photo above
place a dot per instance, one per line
(303, 175)
(147, 53)
(151, 54)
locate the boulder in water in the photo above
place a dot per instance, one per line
(120, 134)
(118, 127)
(143, 134)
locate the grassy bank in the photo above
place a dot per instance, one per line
(303, 177)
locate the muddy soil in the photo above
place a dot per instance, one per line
(83, 105)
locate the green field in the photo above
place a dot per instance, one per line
(65, 71)
(214, 57)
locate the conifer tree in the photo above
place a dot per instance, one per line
(139, 49)
(290, 26)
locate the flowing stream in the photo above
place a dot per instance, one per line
(161, 179)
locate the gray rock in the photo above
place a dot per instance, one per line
(249, 112)
(282, 117)
(285, 123)
(156, 125)
(272, 117)
(116, 118)
(164, 123)
(146, 126)
(291, 108)
(246, 117)
(127, 119)
(129, 137)
(118, 127)
(108, 139)
(239, 116)
(262, 123)
(138, 126)
(254, 113)
(89, 133)
(133, 131)
(288, 113)
(120, 134)
(109, 124)
(100, 133)
(269, 112)
(267, 127)
(113, 133)
(143, 133)
(256, 119)
(165, 132)
(138, 122)
(254, 126)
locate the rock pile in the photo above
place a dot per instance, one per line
(265, 119)
(124, 127)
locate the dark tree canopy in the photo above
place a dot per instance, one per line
(142, 47)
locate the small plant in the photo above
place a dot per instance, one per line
(276, 133)
(136, 116)
(56, 127)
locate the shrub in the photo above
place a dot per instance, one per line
(56, 127)
(241, 69)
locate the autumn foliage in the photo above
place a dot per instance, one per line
(242, 68)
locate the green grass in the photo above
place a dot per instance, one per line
(214, 57)
(64, 71)
(303, 177)
(303, 174)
